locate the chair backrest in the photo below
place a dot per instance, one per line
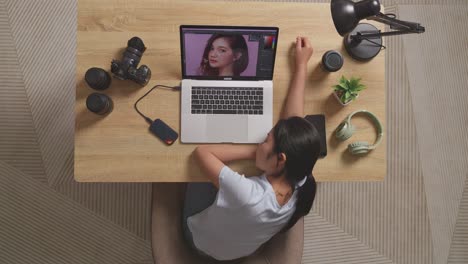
(169, 245)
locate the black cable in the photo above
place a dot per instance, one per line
(174, 88)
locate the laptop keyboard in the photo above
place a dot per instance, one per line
(222, 100)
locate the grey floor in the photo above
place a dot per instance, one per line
(419, 214)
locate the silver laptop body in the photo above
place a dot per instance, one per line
(226, 109)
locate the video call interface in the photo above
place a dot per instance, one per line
(229, 52)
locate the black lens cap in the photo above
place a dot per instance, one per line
(332, 61)
(97, 78)
(99, 103)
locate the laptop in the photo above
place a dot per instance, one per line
(227, 83)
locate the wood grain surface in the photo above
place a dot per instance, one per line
(119, 147)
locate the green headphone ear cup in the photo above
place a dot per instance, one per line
(358, 147)
(344, 131)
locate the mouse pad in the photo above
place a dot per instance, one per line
(319, 122)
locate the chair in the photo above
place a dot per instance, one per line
(169, 246)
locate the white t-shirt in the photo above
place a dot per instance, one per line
(244, 215)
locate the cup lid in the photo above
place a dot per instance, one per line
(332, 60)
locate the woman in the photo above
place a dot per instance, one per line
(224, 55)
(235, 215)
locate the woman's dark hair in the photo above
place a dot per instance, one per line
(299, 140)
(237, 44)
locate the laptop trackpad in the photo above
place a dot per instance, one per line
(227, 128)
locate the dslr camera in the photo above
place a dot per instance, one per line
(127, 67)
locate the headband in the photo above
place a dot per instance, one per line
(376, 122)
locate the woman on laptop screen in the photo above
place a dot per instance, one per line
(231, 217)
(224, 55)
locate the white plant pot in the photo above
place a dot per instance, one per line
(338, 98)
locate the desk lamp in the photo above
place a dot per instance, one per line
(363, 41)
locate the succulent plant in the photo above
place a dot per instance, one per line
(348, 89)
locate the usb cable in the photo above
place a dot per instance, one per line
(174, 88)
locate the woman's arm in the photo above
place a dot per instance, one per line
(294, 104)
(212, 158)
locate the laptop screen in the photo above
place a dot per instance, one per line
(232, 53)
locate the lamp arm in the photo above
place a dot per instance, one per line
(398, 24)
(403, 27)
(377, 34)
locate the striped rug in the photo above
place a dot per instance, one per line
(418, 214)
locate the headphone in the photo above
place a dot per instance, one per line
(345, 130)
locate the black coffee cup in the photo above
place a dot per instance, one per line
(332, 61)
(97, 78)
(100, 104)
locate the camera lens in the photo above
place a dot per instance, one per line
(97, 78)
(332, 61)
(98, 103)
(127, 68)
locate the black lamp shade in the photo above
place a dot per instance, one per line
(346, 14)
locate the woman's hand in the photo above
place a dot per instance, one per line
(304, 51)
(294, 104)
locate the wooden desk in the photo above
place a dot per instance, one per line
(119, 147)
